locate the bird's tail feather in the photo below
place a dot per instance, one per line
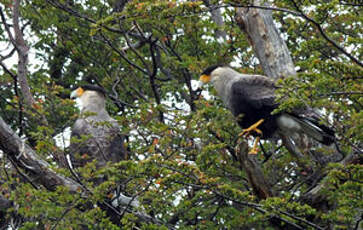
(319, 132)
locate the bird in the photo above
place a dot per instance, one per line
(99, 134)
(251, 99)
(104, 141)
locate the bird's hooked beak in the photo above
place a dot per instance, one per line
(77, 93)
(204, 79)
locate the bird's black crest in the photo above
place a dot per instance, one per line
(94, 88)
(210, 69)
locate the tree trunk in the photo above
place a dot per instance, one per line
(264, 37)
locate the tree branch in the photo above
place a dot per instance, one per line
(25, 158)
(255, 176)
(268, 46)
(314, 196)
(22, 50)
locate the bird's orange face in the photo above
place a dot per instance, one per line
(204, 78)
(77, 93)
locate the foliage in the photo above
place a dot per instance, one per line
(183, 162)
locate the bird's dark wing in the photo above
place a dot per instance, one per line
(254, 92)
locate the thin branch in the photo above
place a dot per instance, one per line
(14, 76)
(123, 55)
(65, 213)
(3, 19)
(326, 37)
(9, 55)
(259, 208)
(152, 80)
(342, 93)
(69, 10)
(115, 98)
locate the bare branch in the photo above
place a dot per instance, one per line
(22, 50)
(9, 55)
(8, 71)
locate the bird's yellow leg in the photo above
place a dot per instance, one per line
(254, 148)
(253, 127)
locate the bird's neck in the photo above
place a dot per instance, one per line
(222, 85)
(96, 106)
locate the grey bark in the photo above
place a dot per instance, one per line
(22, 71)
(268, 46)
(22, 50)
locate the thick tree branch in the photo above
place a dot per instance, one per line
(269, 47)
(22, 50)
(255, 175)
(25, 158)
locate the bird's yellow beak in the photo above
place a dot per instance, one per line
(204, 78)
(77, 93)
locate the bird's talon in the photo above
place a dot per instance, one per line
(244, 133)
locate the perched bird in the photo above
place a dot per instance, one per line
(103, 140)
(251, 99)
(99, 133)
